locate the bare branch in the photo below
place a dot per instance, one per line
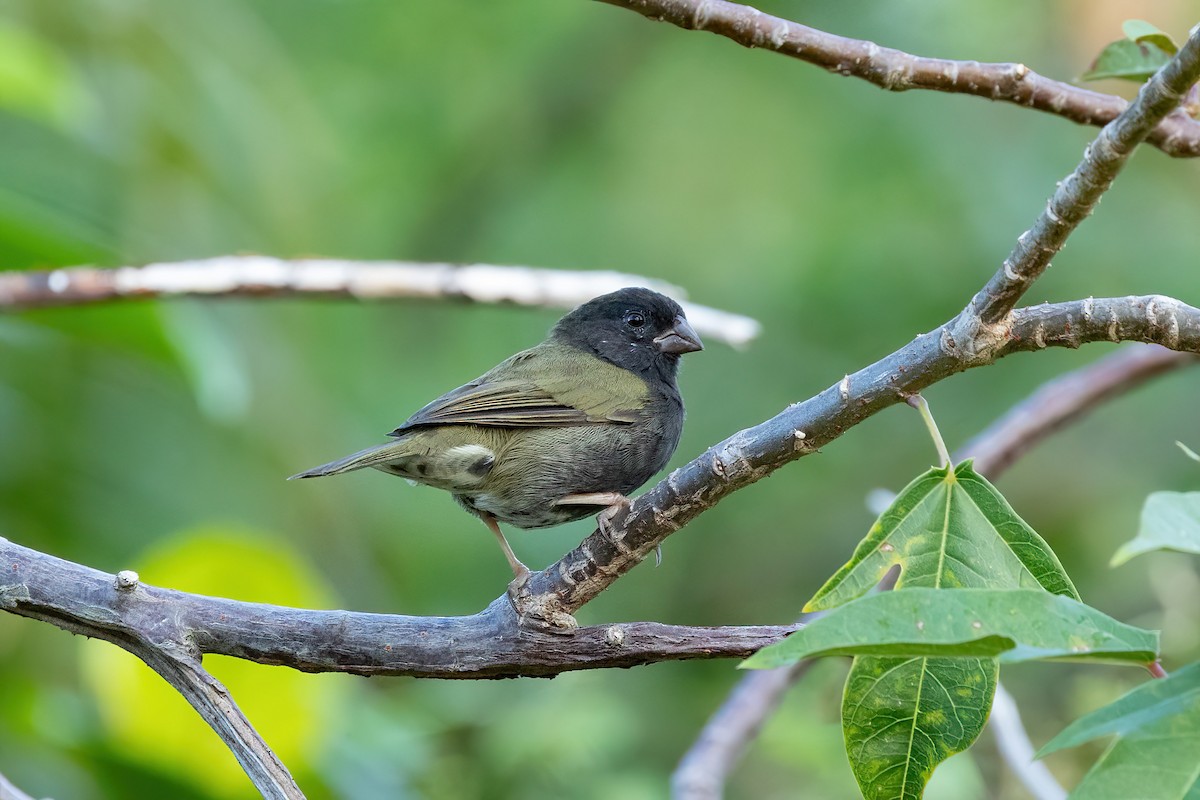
(216, 707)
(1067, 398)
(896, 71)
(263, 276)
(723, 740)
(10, 792)
(489, 644)
(1077, 194)
(704, 770)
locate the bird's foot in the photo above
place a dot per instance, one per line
(604, 520)
(615, 503)
(539, 612)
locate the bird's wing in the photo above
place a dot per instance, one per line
(549, 385)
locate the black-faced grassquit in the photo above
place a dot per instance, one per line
(557, 432)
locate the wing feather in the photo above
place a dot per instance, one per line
(549, 385)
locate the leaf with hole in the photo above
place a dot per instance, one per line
(949, 528)
(903, 716)
(1170, 521)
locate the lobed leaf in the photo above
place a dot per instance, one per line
(949, 528)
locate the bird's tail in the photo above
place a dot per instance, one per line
(371, 457)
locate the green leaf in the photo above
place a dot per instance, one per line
(1138, 30)
(893, 743)
(1158, 761)
(1013, 624)
(1134, 61)
(1147, 704)
(1170, 521)
(1189, 452)
(948, 529)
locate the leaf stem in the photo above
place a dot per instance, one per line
(1156, 669)
(918, 402)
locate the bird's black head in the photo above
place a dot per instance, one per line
(637, 329)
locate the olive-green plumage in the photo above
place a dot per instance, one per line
(592, 410)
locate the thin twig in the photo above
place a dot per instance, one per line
(1018, 751)
(263, 276)
(1078, 193)
(897, 71)
(704, 770)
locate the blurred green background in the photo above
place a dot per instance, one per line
(156, 436)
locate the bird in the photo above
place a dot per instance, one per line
(558, 432)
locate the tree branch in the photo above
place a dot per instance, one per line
(489, 644)
(10, 792)
(724, 739)
(1077, 194)
(705, 768)
(263, 276)
(1065, 399)
(1177, 135)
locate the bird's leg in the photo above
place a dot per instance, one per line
(530, 612)
(520, 571)
(615, 501)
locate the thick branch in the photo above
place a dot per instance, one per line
(485, 645)
(1176, 135)
(263, 276)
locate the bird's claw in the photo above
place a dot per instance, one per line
(604, 520)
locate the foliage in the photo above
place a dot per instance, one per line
(977, 586)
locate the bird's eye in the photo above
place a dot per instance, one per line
(635, 319)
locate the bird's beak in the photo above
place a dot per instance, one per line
(679, 338)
